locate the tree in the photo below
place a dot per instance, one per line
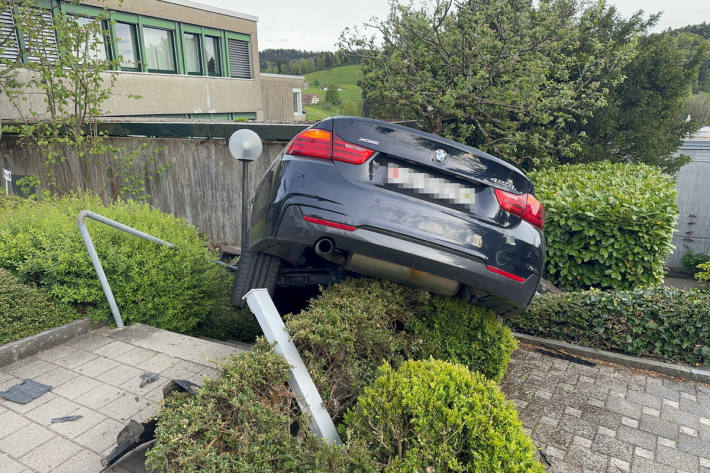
(689, 44)
(332, 95)
(645, 119)
(70, 69)
(507, 76)
(698, 107)
(352, 108)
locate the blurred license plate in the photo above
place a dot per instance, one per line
(426, 184)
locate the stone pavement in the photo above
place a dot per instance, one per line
(95, 376)
(608, 418)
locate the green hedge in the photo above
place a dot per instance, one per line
(246, 421)
(347, 332)
(174, 289)
(661, 322)
(607, 225)
(438, 415)
(461, 332)
(703, 270)
(26, 310)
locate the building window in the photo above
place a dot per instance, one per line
(127, 46)
(297, 104)
(239, 59)
(193, 60)
(96, 48)
(212, 56)
(9, 48)
(159, 51)
(43, 47)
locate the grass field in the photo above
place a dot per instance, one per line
(345, 78)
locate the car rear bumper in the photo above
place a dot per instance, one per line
(293, 235)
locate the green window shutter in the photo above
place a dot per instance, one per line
(46, 45)
(239, 58)
(9, 49)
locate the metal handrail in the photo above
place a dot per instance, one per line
(80, 220)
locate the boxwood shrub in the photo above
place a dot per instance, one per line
(668, 323)
(173, 289)
(347, 332)
(26, 310)
(461, 332)
(608, 225)
(246, 421)
(438, 416)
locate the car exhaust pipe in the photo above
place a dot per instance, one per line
(325, 248)
(358, 263)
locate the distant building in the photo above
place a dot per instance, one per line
(311, 99)
(185, 59)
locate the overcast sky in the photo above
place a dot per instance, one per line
(317, 24)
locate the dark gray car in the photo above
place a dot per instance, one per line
(355, 195)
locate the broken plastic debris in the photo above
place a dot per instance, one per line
(25, 392)
(147, 378)
(131, 437)
(181, 386)
(59, 420)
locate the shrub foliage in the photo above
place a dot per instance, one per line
(461, 332)
(607, 225)
(703, 269)
(26, 310)
(346, 333)
(246, 421)
(170, 288)
(440, 415)
(668, 323)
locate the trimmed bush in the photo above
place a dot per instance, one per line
(608, 225)
(440, 415)
(226, 322)
(461, 332)
(347, 332)
(246, 421)
(173, 289)
(26, 310)
(661, 322)
(9, 202)
(703, 269)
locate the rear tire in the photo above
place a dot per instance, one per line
(255, 270)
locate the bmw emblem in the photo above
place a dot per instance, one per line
(439, 155)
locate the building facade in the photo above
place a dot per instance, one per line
(184, 60)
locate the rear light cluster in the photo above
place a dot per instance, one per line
(324, 144)
(525, 206)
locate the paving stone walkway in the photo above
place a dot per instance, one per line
(96, 376)
(607, 418)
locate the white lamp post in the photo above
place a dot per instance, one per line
(245, 146)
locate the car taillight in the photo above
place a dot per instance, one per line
(324, 144)
(313, 142)
(534, 212)
(525, 206)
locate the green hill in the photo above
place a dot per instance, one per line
(346, 79)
